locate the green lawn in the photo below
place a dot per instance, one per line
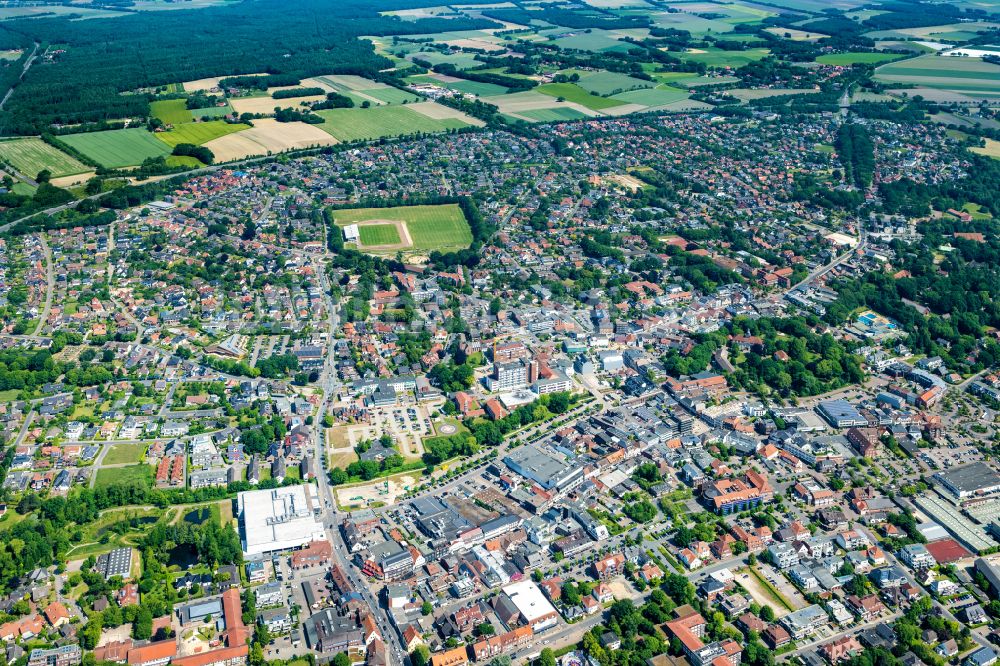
(382, 121)
(441, 227)
(199, 133)
(142, 474)
(171, 111)
(124, 453)
(9, 395)
(31, 155)
(844, 59)
(574, 93)
(184, 161)
(379, 234)
(117, 148)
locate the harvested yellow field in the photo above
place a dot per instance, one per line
(267, 104)
(268, 136)
(76, 179)
(442, 112)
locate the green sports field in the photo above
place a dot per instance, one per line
(199, 133)
(115, 149)
(845, 59)
(443, 227)
(379, 234)
(29, 156)
(382, 121)
(171, 111)
(574, 93)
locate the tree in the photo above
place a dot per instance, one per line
(547, 657)
(341, 659)
(420, 656)
(426, 608)
(767, 613)
(142, 627)
(485, 629)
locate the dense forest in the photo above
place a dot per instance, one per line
(97, 60)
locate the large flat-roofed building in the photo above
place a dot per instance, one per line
(970, 480)
(279, 519)
(842, 414)
(547, 469)
(991, 572)
(531, 604)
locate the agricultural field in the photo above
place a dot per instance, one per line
(712, 57)
(460, 85)
(558, 114)
(171, 111)
(199, 133)
(29, 156)
(574, 93)
(268, 137)
(796, 35)
(968, 76)
(115, 149)
(212, 112)
(610, 83)
(418, 228)
(992, 149)
(267, 105)
(847, 59)
(696, 25)
(384, 121)
(749, 94)
(653, 97)
(595, 40)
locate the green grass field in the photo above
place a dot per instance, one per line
(392, 95)
(653, 96)
(474, 87)
(552, 115)
(609, 83)
(117, 148)
(124, 453)
(844, 59)
(442, 227)
(574, 93)
(133, 473)
(379, 234)
(212, 112)
(383, 121)
(171, 111)
(595, 40)
(29, 156)
(199, 133)
(712, 57)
